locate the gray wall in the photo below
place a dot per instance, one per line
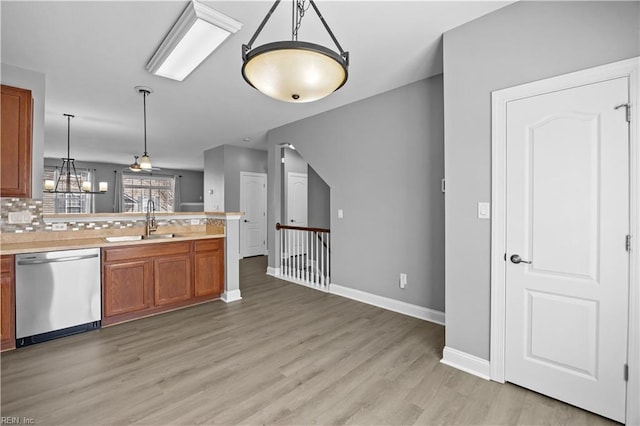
(191, 183)
(34, 81)
(222, 167)
(214, 179)
(520, 43)
(238, 160)
(383, 159)
(319, 202)
(318, 192)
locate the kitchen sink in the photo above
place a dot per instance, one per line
(158, 236)
(121, 238)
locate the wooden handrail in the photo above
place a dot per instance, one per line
(301, 228)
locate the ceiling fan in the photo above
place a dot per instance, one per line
(135, 166)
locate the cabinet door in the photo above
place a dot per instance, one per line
(15, 143)
(126, 287)
(7, 304)
(209, 273)
(172, 279)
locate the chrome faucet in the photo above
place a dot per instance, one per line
(151, 224)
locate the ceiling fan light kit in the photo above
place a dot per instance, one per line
(196, 34)
(295, 71)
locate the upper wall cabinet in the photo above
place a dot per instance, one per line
(15, 144)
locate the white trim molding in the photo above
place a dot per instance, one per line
(468, 363)
(274, 272)
(630, 69)
(231, 296)
(409, 309)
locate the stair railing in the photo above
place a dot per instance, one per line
(305, 255)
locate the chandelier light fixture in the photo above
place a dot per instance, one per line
(295, 71)
(145, 161)
(69, 164)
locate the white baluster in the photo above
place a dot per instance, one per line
(328, 261)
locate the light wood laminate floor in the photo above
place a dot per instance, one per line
(284, 354)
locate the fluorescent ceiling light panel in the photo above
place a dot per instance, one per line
(196, 34)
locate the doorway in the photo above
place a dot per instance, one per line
(564, 210)
(253, 202)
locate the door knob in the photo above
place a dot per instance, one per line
(517, 259)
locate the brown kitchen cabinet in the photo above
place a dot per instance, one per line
(172, 280)
(208, 261)
(7, 303)
(146, 279)
(15, 142)
(126, 287)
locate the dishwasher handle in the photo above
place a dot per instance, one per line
(55, 260)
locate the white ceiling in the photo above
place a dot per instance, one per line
(94, 53)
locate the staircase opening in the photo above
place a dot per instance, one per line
(303, 230)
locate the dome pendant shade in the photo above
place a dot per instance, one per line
(294, 71)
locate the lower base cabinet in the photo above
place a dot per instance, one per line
(7, 304)
(172, 280)
(141, 280)
(126, 287)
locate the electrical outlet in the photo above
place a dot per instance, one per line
(20, 217)
(58, 226)
(403, 280)
(195, 221)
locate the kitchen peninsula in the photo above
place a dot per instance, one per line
(190, 258)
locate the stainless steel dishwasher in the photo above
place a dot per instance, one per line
(57, 294)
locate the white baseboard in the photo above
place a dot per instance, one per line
(274, 272)
(231, 296)
(466, 362)
(389, 304)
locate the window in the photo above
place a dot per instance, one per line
(137, 190)
(67, 203)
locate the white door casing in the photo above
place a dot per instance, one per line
(568, 208)
(253, 202)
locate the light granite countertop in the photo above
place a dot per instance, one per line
(80, 243)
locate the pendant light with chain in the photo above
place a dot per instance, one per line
(295, 71)
(145, 161)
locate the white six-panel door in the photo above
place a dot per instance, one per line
(253, 202)
(567, 213)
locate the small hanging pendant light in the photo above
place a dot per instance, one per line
(295, 71)
(145, 161)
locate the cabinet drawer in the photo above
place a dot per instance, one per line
(208, 245)
(148, 250)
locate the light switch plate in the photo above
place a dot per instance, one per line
(484, 210)
(340, 214)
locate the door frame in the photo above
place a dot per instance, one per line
(499, 100)
(289, 176)
(242, 206)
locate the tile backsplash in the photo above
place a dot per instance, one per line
(18, 208)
